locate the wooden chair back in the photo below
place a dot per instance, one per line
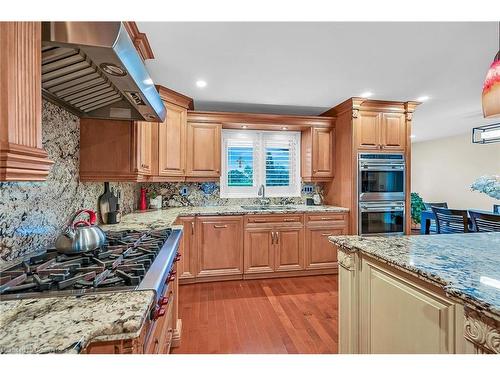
(429, 205)
(451, 221)
(483, 222)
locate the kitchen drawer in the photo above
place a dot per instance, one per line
(256, 220)
(327, 219)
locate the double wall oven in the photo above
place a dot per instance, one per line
(381, 193)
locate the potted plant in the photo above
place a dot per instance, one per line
(417, 206)
(155, 200)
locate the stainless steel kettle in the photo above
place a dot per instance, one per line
(80, 236)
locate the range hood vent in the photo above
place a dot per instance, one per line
(94, 70)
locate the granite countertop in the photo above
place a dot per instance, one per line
(466, 266)
(69, 324)
(165, 218)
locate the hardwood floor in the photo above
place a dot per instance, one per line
(288, 315)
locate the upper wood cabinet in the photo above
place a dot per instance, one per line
(22, 157)
(318, 154)
(172, 142)
(393, 131)
(381, 131)
(203, 150)
(220, 245)
(368, 131)
(112, 150)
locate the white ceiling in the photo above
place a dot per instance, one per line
(305, 68)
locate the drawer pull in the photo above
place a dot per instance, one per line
(327, 218)
(220, 226)
(327, 234)
(294, 219)
(259, 221)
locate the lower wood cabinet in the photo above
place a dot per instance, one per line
(219, 245)
(289, 244)
(259, 250)
(187, 265)
(258, 245)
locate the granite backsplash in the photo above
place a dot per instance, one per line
(32, 213)
(208, 194)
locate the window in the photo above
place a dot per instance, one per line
(252, 158)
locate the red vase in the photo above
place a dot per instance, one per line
(142, 201)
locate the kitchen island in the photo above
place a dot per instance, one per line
(419, 294)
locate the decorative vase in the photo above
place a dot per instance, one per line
(142, 200)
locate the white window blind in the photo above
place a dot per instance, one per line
(252, 158)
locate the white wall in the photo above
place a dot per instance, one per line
(443, 170)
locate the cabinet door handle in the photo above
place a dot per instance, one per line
(220, 226)
(192, 228)
(272, 238)
(277, 237)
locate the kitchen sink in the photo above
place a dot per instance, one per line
(267, 207)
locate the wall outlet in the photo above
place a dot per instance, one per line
(308, 189)
(184, 191)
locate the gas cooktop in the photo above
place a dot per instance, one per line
(128, 260)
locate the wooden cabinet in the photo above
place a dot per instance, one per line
(187, 264)
(384, 310)
(381, 131)
(143, 146)
(368, 132)
(112, 150)
(317, 154)
(289, 244)
(274, 243)
(203, 150)
(319, 252)
(259, 250)
(172, 142)
(219, 245)
(393, 131)
(398, 316)
(22, 157)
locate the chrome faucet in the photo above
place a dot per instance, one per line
(262, 195)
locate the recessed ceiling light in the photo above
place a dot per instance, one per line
(244, 126)
(422, 98)
(201, 83)
(284, 128)
(366, 94)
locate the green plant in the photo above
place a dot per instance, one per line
(151, 194)
(417, 206)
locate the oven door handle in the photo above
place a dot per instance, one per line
(381, 209)
(382, 168)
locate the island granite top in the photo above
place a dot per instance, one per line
(69, 324)
(466, 266)
(166, 217)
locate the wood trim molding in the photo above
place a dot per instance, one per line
(175, 97)
(257, 120)
(482, 331)
(345, 259)
(140, 40)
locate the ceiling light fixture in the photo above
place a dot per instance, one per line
(486, 134)
(422, 98)
(201, 83)
(366, 94)
(491, 86)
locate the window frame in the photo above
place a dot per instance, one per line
(258, 138)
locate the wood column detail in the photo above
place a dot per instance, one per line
(22, 157)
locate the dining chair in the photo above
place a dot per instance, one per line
(450, 220)
(429, 205)
(483, 222)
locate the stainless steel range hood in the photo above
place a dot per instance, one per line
(94, 70)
